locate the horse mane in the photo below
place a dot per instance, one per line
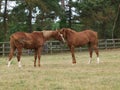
(69, 30)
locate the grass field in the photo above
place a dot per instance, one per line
(58, 73)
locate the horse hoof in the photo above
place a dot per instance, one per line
(89, 63)
(98, 62)
(19, 66)
(73, 63)
(38, 65)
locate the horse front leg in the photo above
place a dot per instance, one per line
(73, 55)
(35, 57)
(19, 56)
(39, 55)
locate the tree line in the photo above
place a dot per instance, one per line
(102, 16)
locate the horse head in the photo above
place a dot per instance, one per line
(59, 36)
(63, 32)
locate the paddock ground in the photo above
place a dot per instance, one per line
(58, 73)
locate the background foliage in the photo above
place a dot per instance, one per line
(27, 15)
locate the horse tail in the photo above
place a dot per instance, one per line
(95, 35)
(96, 38)
(15, 40)
(12, 48)
(12, 42)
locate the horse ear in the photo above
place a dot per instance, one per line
(63, 29)
(56, 29)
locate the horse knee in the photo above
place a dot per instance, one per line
(10, 56)
(11, 53)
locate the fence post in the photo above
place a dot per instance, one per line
(113, 43)
(105, 43)
(3, 50)
(61, 47)
(50, 47)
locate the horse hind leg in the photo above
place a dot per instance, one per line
(19, 56)
(11, 55)
(39, 55)
(90, 52)
(97, 53)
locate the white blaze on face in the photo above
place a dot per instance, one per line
(62, 38)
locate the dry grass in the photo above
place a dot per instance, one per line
(58, 73)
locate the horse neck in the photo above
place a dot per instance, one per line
(48, 34)
(70, 33)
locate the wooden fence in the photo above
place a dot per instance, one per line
(56, 46)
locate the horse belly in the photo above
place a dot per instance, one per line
(81, 42)
(29, 46)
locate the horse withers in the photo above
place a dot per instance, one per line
(77, 39)
(34, 40)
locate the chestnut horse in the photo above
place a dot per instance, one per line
(34, 40)
(77, 39)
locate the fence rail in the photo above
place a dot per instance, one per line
(56, 46)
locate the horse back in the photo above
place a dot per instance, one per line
(16, 37)
(91, 33)
(27, 40)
